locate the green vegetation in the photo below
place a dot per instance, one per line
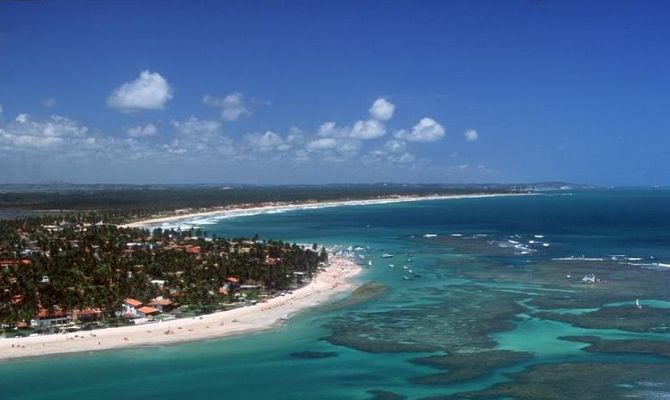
(61, 268)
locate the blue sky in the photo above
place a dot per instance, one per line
(320, 92)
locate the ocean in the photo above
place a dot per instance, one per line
(483, 298)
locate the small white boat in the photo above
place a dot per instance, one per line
(637, 304)
(387, 255)
(370, 263)
(284, 317)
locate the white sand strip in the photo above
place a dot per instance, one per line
(339, 278)
(242, 211)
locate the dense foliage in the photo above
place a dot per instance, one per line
(83, 266)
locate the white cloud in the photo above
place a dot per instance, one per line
(322, 144)
(150, 91)
(267, 141)
(382, 109)
(142, 131)
(471, 135)
(24, 132)
(370, 129)
(427, 130)
(199, 137)
(330, 129)
(363, 130)
(395, 146)
(197, 127)
(232, 106)
(403, 158)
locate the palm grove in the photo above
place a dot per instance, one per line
(78, 264)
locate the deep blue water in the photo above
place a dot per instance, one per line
(472, 258)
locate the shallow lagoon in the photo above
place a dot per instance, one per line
(487, 283)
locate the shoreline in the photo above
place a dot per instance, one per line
(238, 211)
(338, 278)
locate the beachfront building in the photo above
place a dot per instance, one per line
(162, 304)
(130, 308)
(87, 315)
(146, 311)
(49, 317)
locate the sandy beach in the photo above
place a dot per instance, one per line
(339, 278)
(246, 211)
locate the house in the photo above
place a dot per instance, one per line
(162, 304)
(271, 262)
(130, 307)
(146, 311)
(13, 263)
(87, 315)
(49, 317)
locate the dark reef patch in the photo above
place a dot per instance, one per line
(361, 294)
(465, 366)
(459, 320)
(579, 381)
(314, 355)
(636, 346)
(627, 318)
(385, 395)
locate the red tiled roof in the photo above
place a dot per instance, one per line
(148, 310)
(233, 279)
(133, 302)
(9, 263)
(89, 311)
(193, 249)
(45, 313)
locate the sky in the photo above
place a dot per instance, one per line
(277, 92)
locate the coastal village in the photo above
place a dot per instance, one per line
(66, 276)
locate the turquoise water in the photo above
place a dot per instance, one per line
(488, 281)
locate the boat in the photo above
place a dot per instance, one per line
(391, 265)
(387, 255)
(370, 263)
(589, 279)
(637, 304)
(284, 317)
